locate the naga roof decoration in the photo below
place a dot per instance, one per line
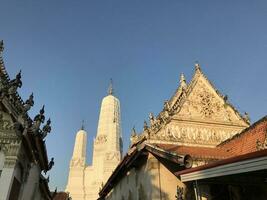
(14, 112)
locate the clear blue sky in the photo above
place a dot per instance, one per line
(68, 51)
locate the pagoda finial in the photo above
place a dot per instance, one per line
(110, 88)
(82, 127)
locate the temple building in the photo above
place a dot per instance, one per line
(85, 181)
(198, 135)
(24, 163)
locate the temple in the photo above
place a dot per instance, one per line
(197, 135)
(85, 181)
(24, 163)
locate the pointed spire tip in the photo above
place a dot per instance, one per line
(82, 127)
(110, 89)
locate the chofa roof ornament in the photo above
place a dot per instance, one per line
(1, 47)
(183, 84)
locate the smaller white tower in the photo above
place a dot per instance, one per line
(75, 184)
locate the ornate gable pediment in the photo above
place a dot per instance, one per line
(203, 103)
(197, 114)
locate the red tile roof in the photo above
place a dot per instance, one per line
(240, 147)
(245, 142)
(234, 159)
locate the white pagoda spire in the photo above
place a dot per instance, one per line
(109, 123)
(77, 165)
(108, 143)
(79, 151)
(85, 180)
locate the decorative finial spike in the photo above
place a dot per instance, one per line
(1, 46)
(110, 89)
(246, 117)
(18, 76)
(182, 81)
(145, 126)
(197, 65)
(42, 110)
(82, 128)
(133, 131)
(182, 77)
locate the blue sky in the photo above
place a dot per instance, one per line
(69, 50)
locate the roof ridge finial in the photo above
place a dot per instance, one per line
(197, 66)
(182, 81)
(82, 127)
(110, 88)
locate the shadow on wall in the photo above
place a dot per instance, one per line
(144, 182)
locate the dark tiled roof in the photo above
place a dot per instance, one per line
(60, 196)
(196, 152)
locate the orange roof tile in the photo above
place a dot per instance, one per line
(245, 142)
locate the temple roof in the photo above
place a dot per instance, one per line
(196, 102)
(199, 80)
(195, 151)
(226, 152)
(249, 140)
(134, 157)
(17, 109)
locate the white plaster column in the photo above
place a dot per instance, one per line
(7, 177)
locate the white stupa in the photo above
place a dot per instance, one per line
(84, 181)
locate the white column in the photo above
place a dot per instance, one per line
(6, 178)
